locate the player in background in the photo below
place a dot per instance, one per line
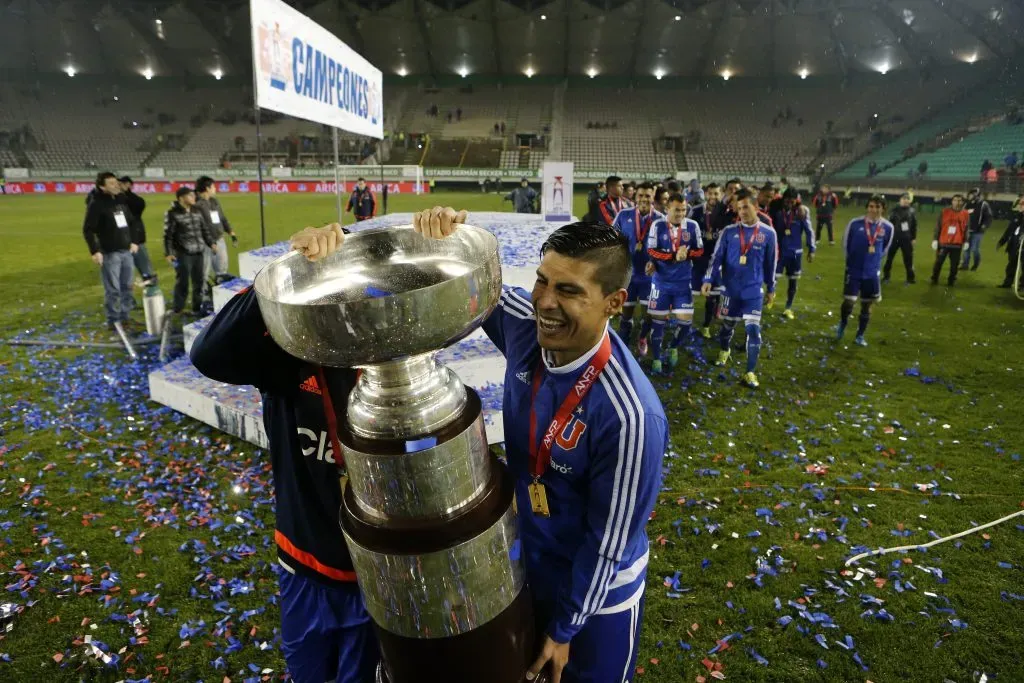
(765, 196)
(744, 263)
(904, 220)
(672, 244)
(613, 202)
(865, 242)
(629, 192)
(635, 224)
(661, 195)
(709, 235)
(792, 221)
(825, 204)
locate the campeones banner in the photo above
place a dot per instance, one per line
(304, 71)
(289, 187)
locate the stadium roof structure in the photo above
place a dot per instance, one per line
(434, 39)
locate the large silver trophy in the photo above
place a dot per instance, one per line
(427, 510)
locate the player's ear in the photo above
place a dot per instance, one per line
(614, 301)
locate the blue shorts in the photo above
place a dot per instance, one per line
(326, 633)
(867, 288)
(670, 301)
(638, 291)
(790, 263)
(747, 310)
(605, 650)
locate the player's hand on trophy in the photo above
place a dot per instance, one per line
(439, 222)
(318, 243)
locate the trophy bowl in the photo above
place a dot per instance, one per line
(386, 294)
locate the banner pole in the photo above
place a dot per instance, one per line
(337, 177)
(383, 187)
(259, 158)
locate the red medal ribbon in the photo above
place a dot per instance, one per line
(677, 237)
(540, 454)
(332, 420)
(641, 229)
(872, 237)
(745, 246)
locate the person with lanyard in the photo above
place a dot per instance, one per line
(699, 267)
(326, 632)
(794, 220)
(613, 202)
(950, 237)
(586, 433)
(904, 220)
(865, 243)
(672, 244)
(744, 263)
(635, 224)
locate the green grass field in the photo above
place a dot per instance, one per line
(96, 483)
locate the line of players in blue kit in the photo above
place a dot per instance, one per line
(730, 249)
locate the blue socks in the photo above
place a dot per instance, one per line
(725, 334)
(657, 334)
(753, 345)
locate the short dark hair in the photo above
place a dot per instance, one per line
(595, 242)
(645, 186)
(712, 186)
(203, 183)
(676, 197)
(361, 179)
(744, 193)
(768, 187)
(674, 186)
(610, 180)
(955, 196)
(905, 195)
(878, 199)
(790, 193)
(734, 181)
(182, 191)
(102, 178)
(125, 179)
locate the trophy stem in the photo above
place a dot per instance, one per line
(405, 398)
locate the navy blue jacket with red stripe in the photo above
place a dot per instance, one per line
(235, 348)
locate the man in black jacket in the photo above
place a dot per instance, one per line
(326, 632)
(981, 218)
(137, 205)
(186, 237)
(904, 222)
(216, 260)
(362, 202)
(1013, 238)
(107, 232)
(594, 199)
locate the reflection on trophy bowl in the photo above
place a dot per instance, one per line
(386, 294)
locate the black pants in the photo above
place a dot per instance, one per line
(907, 248)
(953, 253)
(189, 271)
(824, 221)
(1012, 255)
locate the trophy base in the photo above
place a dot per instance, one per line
(498, 652)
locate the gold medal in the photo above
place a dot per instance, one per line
(743, 260)
(539, 499)
(638, 246)
(788, 233)
(871, 249)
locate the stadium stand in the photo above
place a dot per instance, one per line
(963, 158)
(607, 129)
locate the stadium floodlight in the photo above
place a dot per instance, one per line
(679, 17)
(463, 71)
(529, 72)
(70, 71)
(403, 72)
(159, 22)
(726, 75)
(592, 72)
(147, 73)
(883, 68)
(659, 73)
(971, 58)
(543, 17)
(804, 73)
(218, 74)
